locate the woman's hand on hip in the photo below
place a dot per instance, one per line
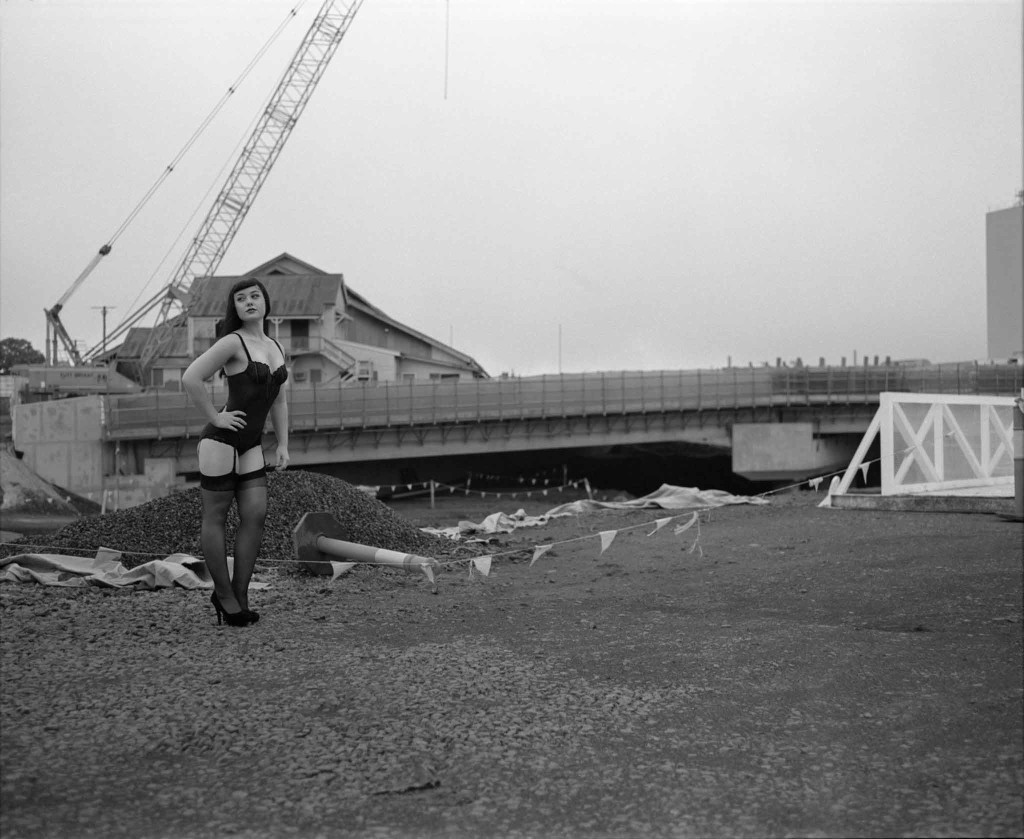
(230, 420)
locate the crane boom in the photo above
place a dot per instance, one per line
(262, 149)
(55, 331)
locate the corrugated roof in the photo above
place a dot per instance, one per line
(291, 295)
(135, 341)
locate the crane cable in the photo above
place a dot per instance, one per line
(187, 224)
(205, 123)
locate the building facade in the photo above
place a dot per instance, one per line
(1004, 269)
(330, 334)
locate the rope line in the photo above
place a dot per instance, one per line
(450, 562)
(206, 122)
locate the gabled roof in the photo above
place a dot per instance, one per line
(357, 301)
(135, 342)
(283, 263)
(296, 288)
(291, 295)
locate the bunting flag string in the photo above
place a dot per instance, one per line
(483, 564)
(539, 551)
(466, 489)
(660, 523)
(682, 528)
(539, 484)
(607, 537)
(339, 568)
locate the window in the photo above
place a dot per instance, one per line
(300, 335)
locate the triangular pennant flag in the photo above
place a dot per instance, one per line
(544, 493)
(607, 537)
(660, 523)
(408, 486)
(864, 471)
(814, 482)
(483, 564)
(682, 528)
(539, 551)
(339, 568)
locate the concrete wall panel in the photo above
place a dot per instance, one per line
(59, 420)
(28, 424)
(85, 467)
(772, 451)
(51, 462)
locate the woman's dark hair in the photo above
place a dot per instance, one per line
(231, 320)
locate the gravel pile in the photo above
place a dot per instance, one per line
(171, 524)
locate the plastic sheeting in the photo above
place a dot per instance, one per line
(105, 569)
(666, 497)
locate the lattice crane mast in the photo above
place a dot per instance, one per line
(239, 191)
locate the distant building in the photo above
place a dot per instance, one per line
(1004, 260)
(330, 333)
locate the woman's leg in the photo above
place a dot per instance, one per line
(251, 496)
(217, 478)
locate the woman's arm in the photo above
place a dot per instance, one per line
(279, 419)
(202, 369)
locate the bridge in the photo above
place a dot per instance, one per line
(777, 422)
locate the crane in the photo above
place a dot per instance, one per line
(55, 331)
(243, 183)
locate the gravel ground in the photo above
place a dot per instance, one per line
(800, 672)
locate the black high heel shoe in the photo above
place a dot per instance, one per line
(242, 618)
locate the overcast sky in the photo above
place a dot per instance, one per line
(593, 185)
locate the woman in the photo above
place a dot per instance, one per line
(231, 462)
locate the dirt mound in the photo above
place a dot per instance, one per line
(22, 491)
(171, 524)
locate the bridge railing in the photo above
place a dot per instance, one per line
(164, 415)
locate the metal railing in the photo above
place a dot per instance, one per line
(938, 443)
(324, 407)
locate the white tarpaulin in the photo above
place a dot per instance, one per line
(666, 497)
(105, 570)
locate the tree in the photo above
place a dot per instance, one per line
(18, 351)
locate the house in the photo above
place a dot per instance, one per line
(329, 332)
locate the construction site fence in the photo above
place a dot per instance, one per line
(159, 415)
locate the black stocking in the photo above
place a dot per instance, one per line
(212, 540)
(251, 496)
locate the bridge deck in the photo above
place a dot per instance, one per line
(164, 415)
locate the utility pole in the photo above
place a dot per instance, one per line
(104, 310)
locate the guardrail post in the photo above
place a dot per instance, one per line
(157, 413)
